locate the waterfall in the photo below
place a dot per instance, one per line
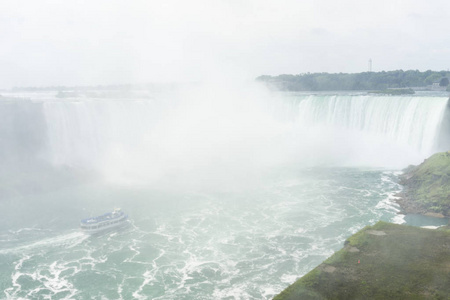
(407, 122)
(229, 132)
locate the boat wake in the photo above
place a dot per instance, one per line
(68, 240)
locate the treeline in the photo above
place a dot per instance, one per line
(84, 88)
(356, 81)
(73, 88)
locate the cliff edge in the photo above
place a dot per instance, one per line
(427, 187)
(383, 261)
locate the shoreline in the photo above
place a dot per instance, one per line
(382, 261)
(426, 187)
(408, 206)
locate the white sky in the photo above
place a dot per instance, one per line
(113, 41)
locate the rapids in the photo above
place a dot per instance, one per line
(232, 193)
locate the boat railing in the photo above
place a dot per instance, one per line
(105, 217)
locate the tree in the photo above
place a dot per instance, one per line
(357, 81)
(434, 77)
(444, 82)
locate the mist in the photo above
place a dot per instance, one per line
(215, 136)
(231, 189)
(116, 42)
(222, 182)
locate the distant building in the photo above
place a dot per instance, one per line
(436, 87)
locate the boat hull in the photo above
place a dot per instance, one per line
(105, 222)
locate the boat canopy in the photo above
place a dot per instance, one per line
(116, 214)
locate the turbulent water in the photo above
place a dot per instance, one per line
(231, 195)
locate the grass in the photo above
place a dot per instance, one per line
(429, 183)
(405, 263)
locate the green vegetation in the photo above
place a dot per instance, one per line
(74, 88)
(384, 261)
(99, 88)
(444, 82)
(427, 186)
(357, 81)
(394, 92)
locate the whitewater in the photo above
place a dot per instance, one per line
(231, 193)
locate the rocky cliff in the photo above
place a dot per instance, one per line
(427, 187)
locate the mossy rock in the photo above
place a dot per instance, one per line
(384, 261)
(428, 185)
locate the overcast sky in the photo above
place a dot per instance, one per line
(107, 42)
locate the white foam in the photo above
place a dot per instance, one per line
(148, 277)
(289, 278)
(430, 227)
(398, 219)
(67, 240)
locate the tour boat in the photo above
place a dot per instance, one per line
(116, 218)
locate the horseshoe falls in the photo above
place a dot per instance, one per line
(232, 193)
